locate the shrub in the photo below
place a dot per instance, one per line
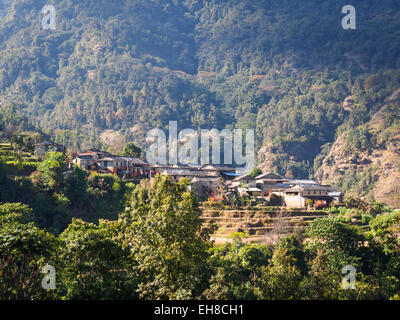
(366, 218)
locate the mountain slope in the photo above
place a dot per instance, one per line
(366, 160)
(127, 66)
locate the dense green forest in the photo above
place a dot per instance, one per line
(281, 67)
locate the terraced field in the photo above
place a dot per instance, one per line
(18, 163)
(261, 224)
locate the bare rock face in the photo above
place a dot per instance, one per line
(348, 103)
(266, 154)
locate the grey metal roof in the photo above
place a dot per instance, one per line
(335, 194)
(269, 175)
(299, 188)
(244, 177)
(106, 159)
(301, 182)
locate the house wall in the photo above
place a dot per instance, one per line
(315, 193)
(295, 201)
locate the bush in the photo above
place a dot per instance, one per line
(105, 185)
(366, 218)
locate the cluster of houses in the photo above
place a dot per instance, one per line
(104, 162)
(207, 179)
(289, 192)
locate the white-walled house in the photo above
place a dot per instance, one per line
(297, 196)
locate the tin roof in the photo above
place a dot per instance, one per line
(244, 177)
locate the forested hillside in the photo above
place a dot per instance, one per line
(365, 160)
(284, 68)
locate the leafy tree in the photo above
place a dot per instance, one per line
(339, 241)
(51, 171)
(93, 264)
(235, 272)
(282, 278)
(76, 187)
(324, 283)
(167, 240)
(255, 172)
(25, 141)
(294, 248)
(130, 150)
(24, 251)
(321, 282)
(17, 208)
(383, 229)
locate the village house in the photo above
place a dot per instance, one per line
(204, 186)
(243, 181)
(336, 196)
(104, 162)
(201, 182)
(176, 174)
(43, 147)
(84, 162)
(250, 191)
(301, 196)
(271, 183)
(87, 160)
(161, 168)
(226, 172)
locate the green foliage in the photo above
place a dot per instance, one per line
(19, 211)
(340, 241)
(254, 256)
(93, 264)
(51, 171)
(76, 187)
(383, 227)
(21, 168)
(359, 205)
(24, 250)
(255, 172)
(167, 240)
(130, 150)
(104, 183)
(359, 139)
(154, 251)
(281, 280)
(294, 248)
(235, 272)
(24, 141)
(366, 218)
